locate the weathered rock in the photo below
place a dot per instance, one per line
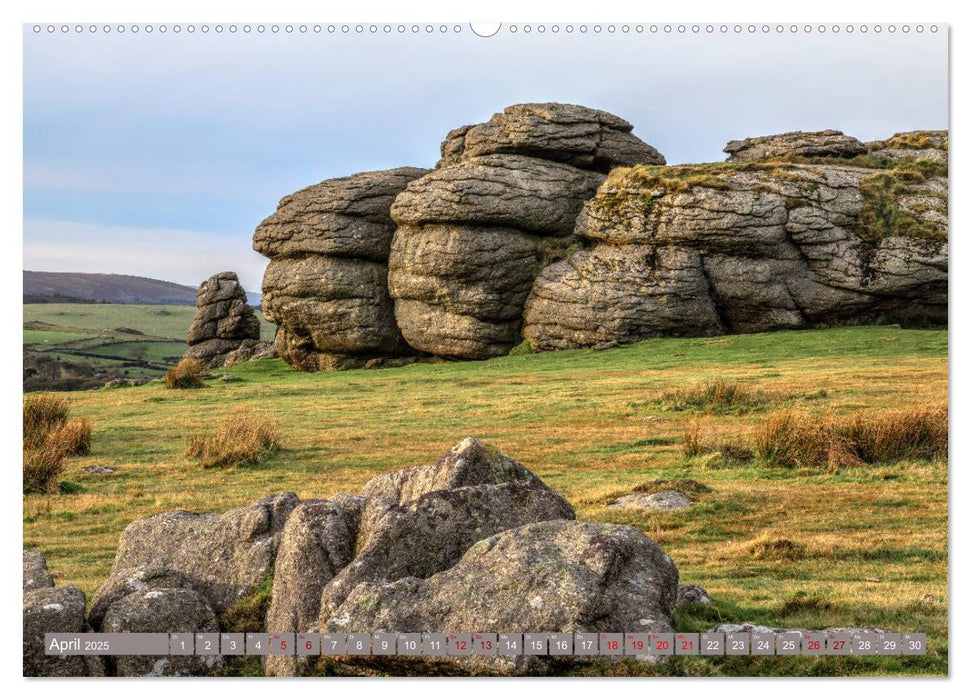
(36, 574)
(669, 499)
(331, 306)
(580, 136)
(517, 192)
(471, 239)
(223, 320)
(162, 610)
(250, 350)
(327, 284)
(317, 542)
(912, 145)
(430, 534)
(124, 582)
(693, 594)
(49, 609)
(347, 217)
(223, 556)
(621, 295)
(560, 575)
(469, 463)
(807, 144)
(700, 250)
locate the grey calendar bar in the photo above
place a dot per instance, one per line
(458, 644)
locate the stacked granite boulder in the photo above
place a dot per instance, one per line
(499, 206)
(225, 330)
(326, 285)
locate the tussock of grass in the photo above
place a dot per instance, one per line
(720, 396)
(887, 436)
(693, 438)
(43, 468)
(49, 438)
(42, 413)
(73, 435)
(882, 216)
(185, 375)
(794, 439)
(769, 547)
(243, 438)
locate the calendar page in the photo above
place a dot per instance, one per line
(485, 349)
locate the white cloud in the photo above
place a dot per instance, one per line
(186, 257)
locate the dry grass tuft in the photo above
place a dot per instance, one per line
(49, 438)
(720, 396)
(693, 438)
(42, 413)
(185, 375)
(242, 438)
(769, 547)
(911, 433)
(73, 435)
(792, 439)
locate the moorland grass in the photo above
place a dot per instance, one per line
(875, 536)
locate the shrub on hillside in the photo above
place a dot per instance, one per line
(242, 438)
(185, 375)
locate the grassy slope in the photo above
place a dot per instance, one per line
(588, 423)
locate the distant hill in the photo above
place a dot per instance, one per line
(82, 287)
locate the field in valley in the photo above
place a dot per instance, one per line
(133, 340)
(869, 541)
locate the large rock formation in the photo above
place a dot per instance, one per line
(516, 233)
(473, 234)
(224, 323)
(326, 286)
(740, 248)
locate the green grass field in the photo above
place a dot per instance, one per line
(873, 544)
(143, 339)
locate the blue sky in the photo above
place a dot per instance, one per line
(157, 154)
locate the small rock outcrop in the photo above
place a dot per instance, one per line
(327, 283)
(224, 323)
(692, 594)
(804, 144)
(474, 233)
(36, 574)
(220, 556)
